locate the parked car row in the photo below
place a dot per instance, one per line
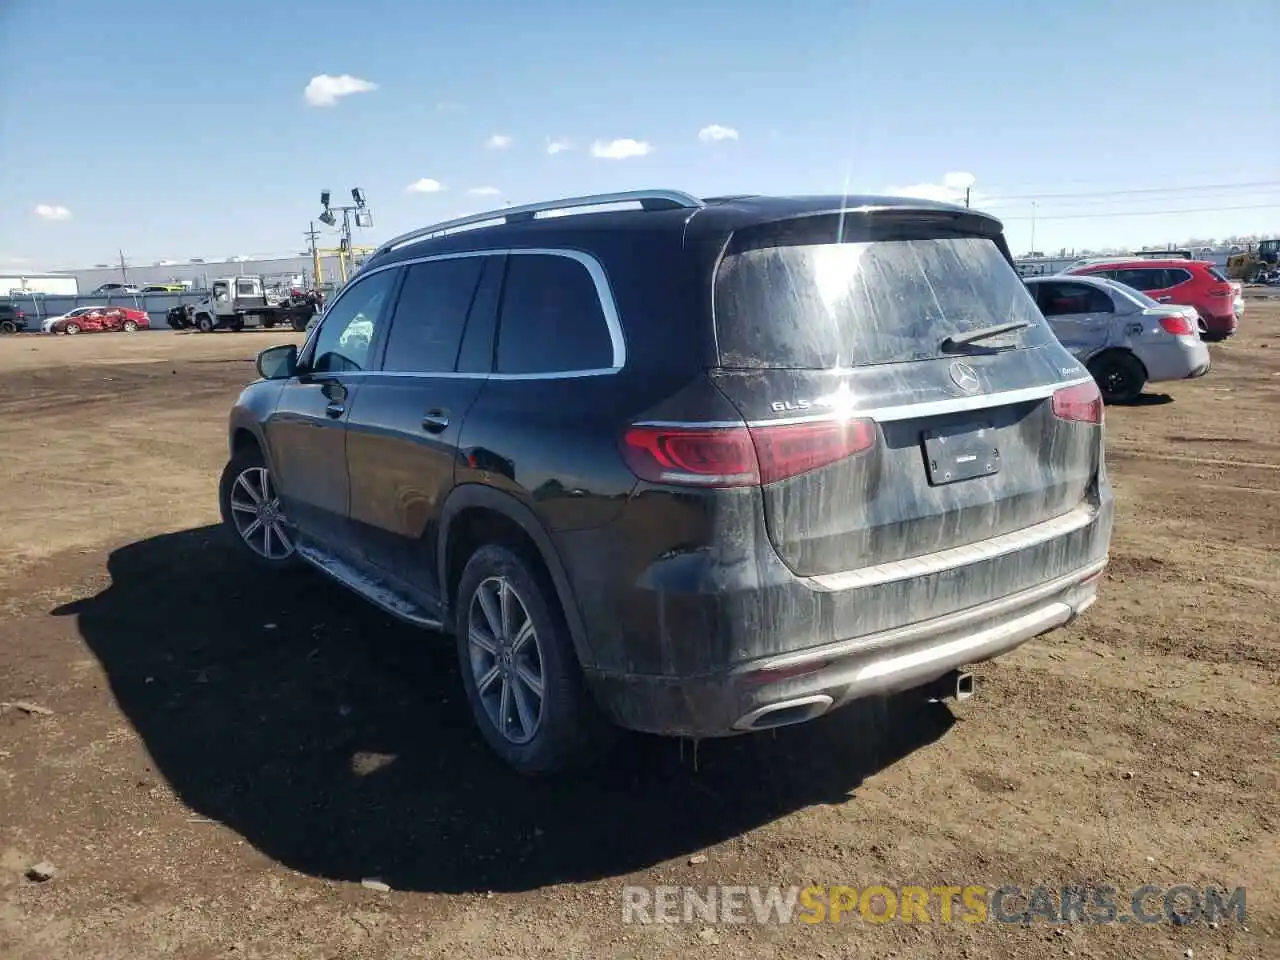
(1218, 301)
(1124, 338)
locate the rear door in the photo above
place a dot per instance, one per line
(855, 336)
(1081, 316)
(403, 429)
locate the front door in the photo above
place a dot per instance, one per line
(402, 437)
(306, 434)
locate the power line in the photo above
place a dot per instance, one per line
(1146, 213)
(1208, 187)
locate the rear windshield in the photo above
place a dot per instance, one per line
(826, 305)
(1218, 275)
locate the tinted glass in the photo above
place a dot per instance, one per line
(1063, 299)
(856, 304)
(1217, 274)
(1173, 277)
(244, 288)
(1136, 295)
(1141, 279)
(476, 353)
(551, 318)
(430, 315)
(345, 335)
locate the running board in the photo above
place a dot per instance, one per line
(375, 591)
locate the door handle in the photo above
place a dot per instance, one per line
(1163, 299)
(435, 421)
(335, 410)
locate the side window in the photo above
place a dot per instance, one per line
(244, 288)
(431, 314)
(1174, 276)
(1139, 278)
(1064, 299)
(552, 321)
(345, 336)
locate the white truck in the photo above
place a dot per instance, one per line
(238, 302)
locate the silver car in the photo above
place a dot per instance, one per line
(1125, 338)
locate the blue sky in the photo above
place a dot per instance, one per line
(173, 130)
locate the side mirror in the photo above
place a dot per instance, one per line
(278, 363)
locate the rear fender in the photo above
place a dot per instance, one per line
(479, 495)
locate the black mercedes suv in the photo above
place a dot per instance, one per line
(692, 467)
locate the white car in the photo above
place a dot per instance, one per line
(46, 325)
(1122, 336)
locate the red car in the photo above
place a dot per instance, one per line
(102, 320)
(1190, 283)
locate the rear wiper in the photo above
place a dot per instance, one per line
(958, 340)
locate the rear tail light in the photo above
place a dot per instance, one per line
(1081, 403)
(1178, 326)
(741, 456)
(1221, 290)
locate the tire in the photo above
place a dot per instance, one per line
(568, 729)
(1120, 377)
(204, 323)
(233, 497)
(237, 325)
(299, 322)
(130, 326)
(1213, 337)
(268, 324)
(72, 329)
(8, 326)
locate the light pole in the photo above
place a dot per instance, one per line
(1033, 226)
(364, 218)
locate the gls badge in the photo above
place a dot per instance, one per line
(789, 406)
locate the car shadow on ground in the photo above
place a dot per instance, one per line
(1149, 400)
(337, 740)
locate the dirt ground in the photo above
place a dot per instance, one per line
(228, 758)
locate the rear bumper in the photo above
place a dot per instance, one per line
(792, 688)
(1175, 358)
(1221, 325)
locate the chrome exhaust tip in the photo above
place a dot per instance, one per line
(957, 684)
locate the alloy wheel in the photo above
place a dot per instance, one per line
(258, 516)
(506, 660)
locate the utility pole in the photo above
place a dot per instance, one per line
(966, 195)
(124, 270)
(311, 235)
(1033, 226)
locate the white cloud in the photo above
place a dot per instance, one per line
(713, 132)
(499, 141)
(324, 90)
(425, 185)
(484, 191)
(620, 149)
(52, 211)
(558, 146)
(950, 190)
(451, 106)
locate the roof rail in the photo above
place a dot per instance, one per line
(648, 199)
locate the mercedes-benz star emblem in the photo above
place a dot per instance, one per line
(965, 377)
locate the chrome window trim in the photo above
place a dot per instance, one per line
(904, 411)
(604, 296)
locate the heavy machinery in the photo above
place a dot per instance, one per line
(237, 302)
(1259, 262)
